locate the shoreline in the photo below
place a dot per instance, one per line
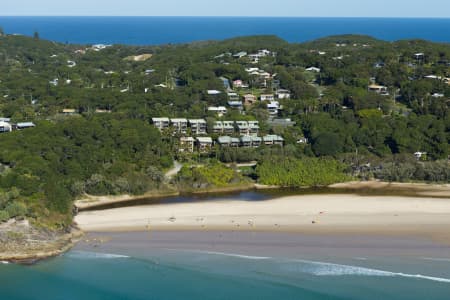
(414, 189)
(307, 214)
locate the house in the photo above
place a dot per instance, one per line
(313, 69)
(246, 141)
(256, 141)
(379, 89)
(235, 104)
(228, 127)
(198, 126)
(226, 83)
(264, 74)
(102, 111)
(161, 123)
(249, 99)
(71, 63)
(243, 127)
(283, 94)
(275, 122)
(227, 141)
(219, 110)
(204, 144)
(54, 82)
(180, 125)
(273, 140)
(233, 96)
(419, 56)
(253, 128)
(25, 125)
(5, 126)
(254, 58)
(69, 111)
(224, 141)
(432, 77)
(99, 47)
(238, 83)
(273, 107)
(240, 54)
(252, 70)
(264, 52)
(218, 127)
(437, 95)
(186, 144)
(420, 155)
(302, 140)
(213, 92)
(267, 97)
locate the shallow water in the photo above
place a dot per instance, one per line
(197, 274)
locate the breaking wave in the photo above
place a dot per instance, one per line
(94, 255)
(331, 269)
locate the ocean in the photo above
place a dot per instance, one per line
(165, 30)
(167, 268)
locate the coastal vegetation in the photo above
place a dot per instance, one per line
(310, 172)
(357, 108)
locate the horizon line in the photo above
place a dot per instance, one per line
(215, 16)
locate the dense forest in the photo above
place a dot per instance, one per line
(358, 108)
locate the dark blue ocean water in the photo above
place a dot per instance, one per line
(162, 30)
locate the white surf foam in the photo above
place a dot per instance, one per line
(224, 254)
(94, 255)
(436, 259)
(330, 269)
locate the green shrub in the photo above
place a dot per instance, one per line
(16, 209)
(4, 216)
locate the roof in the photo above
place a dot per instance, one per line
(187, 139)
(178, 120)
(256, 139)
(68, 110)
(25, 124)
(376, 86)
(246, 138)
(5, 119)
(197, 121)
(272, 138)
(163, 119)
(235, 103)
(204, 140)
(224, 139)
(213, 92)
(217, 108)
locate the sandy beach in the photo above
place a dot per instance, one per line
(303, 214)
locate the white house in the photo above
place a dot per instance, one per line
(213, 92)
(198, 126)
(283, 94)
(219, 110)
(25, 125)
(273, 107)
(180, 125)
(5, 126)
(267, 97)
(313, 69)
(161, 123)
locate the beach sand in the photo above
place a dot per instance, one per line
(308, 214)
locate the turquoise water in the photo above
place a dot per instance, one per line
(178, 274)
(162, 30)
